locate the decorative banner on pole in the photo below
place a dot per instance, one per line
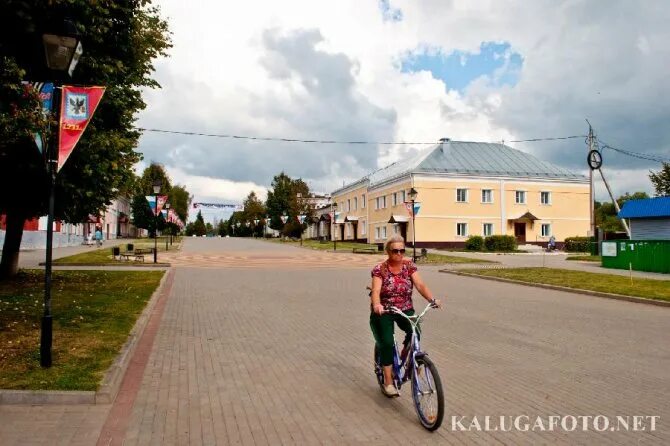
(171, 216)
(162, 199)
(45, 90)
(233, 207)
(301, 219)
(164, 213)
(256, 222)
(417, 207)
(77, 106)
(284, 218)
(151, 199)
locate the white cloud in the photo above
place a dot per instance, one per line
(315, 70)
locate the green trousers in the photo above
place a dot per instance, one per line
(382, 330)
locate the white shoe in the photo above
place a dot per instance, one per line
(391, 391)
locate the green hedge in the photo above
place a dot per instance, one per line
(500, 243)
(578, 244)
(474, 243)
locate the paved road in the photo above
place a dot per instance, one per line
(262, 350)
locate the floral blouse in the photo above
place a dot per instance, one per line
(396, 288)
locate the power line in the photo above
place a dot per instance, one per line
(319, 141)
(639, 155)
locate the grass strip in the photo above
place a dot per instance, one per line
(93, 313)
(587, 258)
(103, 256)
(328, 246)
(440, 258)
(582, 280)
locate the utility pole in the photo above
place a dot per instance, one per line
(591, 209)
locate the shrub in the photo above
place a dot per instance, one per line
(577, 244)
(474, 243)
(500, 243)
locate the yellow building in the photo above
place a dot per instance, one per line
(464, 189)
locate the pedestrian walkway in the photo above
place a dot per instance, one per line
(281, 354)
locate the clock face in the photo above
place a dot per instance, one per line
(595, 159)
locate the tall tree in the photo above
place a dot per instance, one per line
(120, 40)
(199, 227)
(283, 199)
(143, 217)
(180, 201)
(254, 210)
(661, 180)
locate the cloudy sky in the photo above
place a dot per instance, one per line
(402, 70)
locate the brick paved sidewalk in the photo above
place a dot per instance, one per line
(283, 356)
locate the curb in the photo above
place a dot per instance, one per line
(111, 382)
(111, 265)
(641, 300)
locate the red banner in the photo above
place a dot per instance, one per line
(77, 106)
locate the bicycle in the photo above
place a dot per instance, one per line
(427, 390)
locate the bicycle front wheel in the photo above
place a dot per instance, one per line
(427, 394)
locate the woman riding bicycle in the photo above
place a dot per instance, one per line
(392, 283)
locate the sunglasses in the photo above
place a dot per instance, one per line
(398, 251)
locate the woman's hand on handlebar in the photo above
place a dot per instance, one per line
(436, 303)
(378, 308)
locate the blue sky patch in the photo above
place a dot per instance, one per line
(458, 69)
(389, 14)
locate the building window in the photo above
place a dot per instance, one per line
(461, 195)
(363, 201)
(396, 229)
(462, 229)
(520, 197)
(402, 196)
(395, 198)
(355, 203)
(546, 230)
(487, 196)
(348, 205)
(384, 202)
(377, 203)
(363, 228)
(545, 197)
(378, 233)
(383, 232)
(487, 229)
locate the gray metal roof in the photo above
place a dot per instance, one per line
(473, 158)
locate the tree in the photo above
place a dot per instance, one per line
(180, 201)
(253, 210)
(120, 41)
(283, 199)
(199, 227)
(222, 228)
(661, 180)
(143, 216)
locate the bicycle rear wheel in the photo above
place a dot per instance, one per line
(427, 394)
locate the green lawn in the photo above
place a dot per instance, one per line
(103, 255)
(585, 258)
(440, 258)
(607, 283)
(315, 244)
(93, 313)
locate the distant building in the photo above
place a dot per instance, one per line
(463, 189)
(648, 219)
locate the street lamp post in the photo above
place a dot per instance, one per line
(298, 198)
(333, 207)
(412, 196)
(167, 238)
(157, 190)
(62, 54)
(267, 224)
(256, 221)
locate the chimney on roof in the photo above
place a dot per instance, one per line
(442, 141)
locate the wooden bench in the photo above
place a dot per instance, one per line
(127, 255)
(366, 250)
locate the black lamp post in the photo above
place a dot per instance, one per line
(333, 206)
(62, 54)
(412, 196)
(267, 224)
(157, 190)
(298, 198)
(167, 238)
(256, 221)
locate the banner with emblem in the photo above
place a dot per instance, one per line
(301, 219)
(284, 218)
(162, 199)
(77, 106)
(417, 207)
(45, 91)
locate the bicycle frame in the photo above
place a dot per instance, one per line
(409, 361)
